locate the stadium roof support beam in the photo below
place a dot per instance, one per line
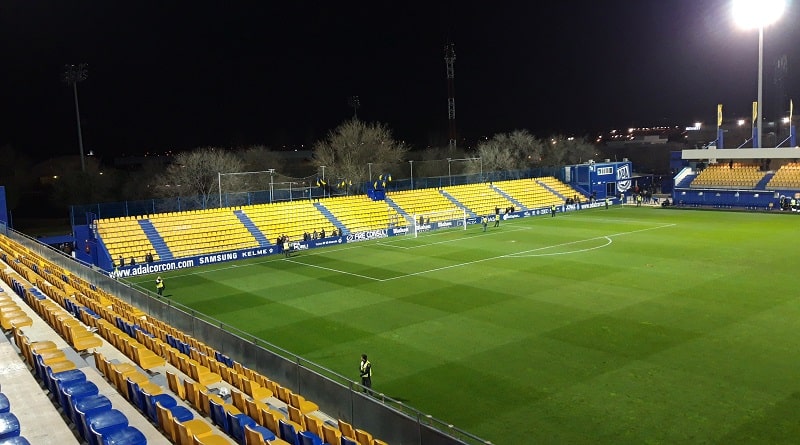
(741, 153)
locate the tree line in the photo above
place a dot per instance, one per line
(352, 153)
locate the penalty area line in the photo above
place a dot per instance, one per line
(517, 254)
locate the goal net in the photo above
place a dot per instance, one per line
(454, 218)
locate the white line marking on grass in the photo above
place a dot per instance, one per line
(453, 240)
(512, 255)
(334, 270)
(532, 255)
(325, 251)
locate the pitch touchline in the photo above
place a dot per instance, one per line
(452, 266)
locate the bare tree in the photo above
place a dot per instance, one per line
(510, 151)
(560, 150)
(196, 173)
(350, 148)
(259, 158)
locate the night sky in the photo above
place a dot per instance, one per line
(176, 75)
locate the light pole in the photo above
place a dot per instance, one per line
(354, 102)
(323, 180)
(271, 186)
(758, 14)
(72, 75)
(369, 165)
(411, 164)
(449, 176)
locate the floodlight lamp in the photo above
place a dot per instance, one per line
(757, 13)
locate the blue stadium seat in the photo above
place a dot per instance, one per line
(288, 433)
(87, 405)
(74, 390)
(125, 436)
(309, 438)
(217, 414)
(9, 425)
(236, 424)
(104, 423)
(16, 440)
(54, 381)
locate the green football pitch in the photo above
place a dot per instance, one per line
(627, 325)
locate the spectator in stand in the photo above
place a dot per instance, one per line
(149, 257)
(314, 235)
(121, 261)
(334, 233)
(322, 233)
(305, 237)
(132, 261)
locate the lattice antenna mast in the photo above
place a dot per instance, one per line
(449, 59)
(72, 75)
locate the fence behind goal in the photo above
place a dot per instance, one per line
(442, 219)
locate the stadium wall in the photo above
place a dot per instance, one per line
(724, 198)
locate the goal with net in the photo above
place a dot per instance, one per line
(454, 218)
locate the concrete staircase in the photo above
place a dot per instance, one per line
(155, 239)
(251, 227)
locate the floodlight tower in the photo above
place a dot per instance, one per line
(449, 59)
(758, 14)
(354, 103)
(72, 75)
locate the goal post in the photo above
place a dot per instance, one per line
(455, 218)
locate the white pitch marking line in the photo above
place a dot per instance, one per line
(452, 266)
(334, 270)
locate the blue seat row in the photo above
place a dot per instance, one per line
(291, 435)
(183, 347)
(222, 358)
(146, 403)
(91, 412)
(234, 424)
(9, 424)
(130, 328)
